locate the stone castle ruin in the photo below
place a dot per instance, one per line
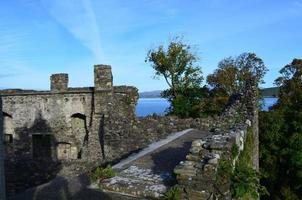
(88, 125)
(67, 131)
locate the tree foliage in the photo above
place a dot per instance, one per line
(281, 137)
(231, 77)
(233, 72)
(177, 64)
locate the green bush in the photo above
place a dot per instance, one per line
(102, 173)
(244, 179)
(245, 183)
(172, 194)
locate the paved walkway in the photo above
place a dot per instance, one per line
(151, 174)
(145, 175)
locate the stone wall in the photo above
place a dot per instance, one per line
(59, 82)
(153, 127)
(47, 132)
(197, 175)
(200, 175)
(2, 175)
(79, 128)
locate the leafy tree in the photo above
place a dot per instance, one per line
(225, 78)
(290, 84)
(231, 77)
(232, 73)
(177, 64)
(281, 137)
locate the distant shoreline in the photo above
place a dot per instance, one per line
(272, 92)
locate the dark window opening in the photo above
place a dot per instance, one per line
(41, 147)
(8, 138)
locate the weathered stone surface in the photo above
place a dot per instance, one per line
(211, 149)
(138, 182)
(192, 157)
(76, 129)
(67, 125)
(59, 82)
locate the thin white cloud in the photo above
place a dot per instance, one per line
(78, 17)
(296, 8)
(10, 41)
(298, 4)
(11, 48)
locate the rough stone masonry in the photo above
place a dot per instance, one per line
(45, 130)
(67, 131)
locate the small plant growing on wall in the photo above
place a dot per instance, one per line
(102, 173)
(172, 194)
(128, 100)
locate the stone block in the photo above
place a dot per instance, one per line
(59, 82)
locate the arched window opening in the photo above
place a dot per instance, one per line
(79, 131)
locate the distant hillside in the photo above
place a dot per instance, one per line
(150, 94)
(269, 92)
(265, 92)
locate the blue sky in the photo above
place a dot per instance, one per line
(41, 37)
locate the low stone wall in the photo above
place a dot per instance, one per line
(153, 128)
(198, 174)
(202, 175)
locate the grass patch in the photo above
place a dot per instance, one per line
(101, 173)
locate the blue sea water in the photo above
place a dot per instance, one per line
(148, 106)
(267, 102)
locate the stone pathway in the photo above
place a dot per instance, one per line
(145, 175)
(149, 174)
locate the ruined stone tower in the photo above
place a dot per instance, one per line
(79, 126)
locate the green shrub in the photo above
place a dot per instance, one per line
(102, 173)
(172, 194)
(244, 179)
(245, 183)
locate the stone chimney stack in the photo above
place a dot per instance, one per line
(59, 82)
(102, 77)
